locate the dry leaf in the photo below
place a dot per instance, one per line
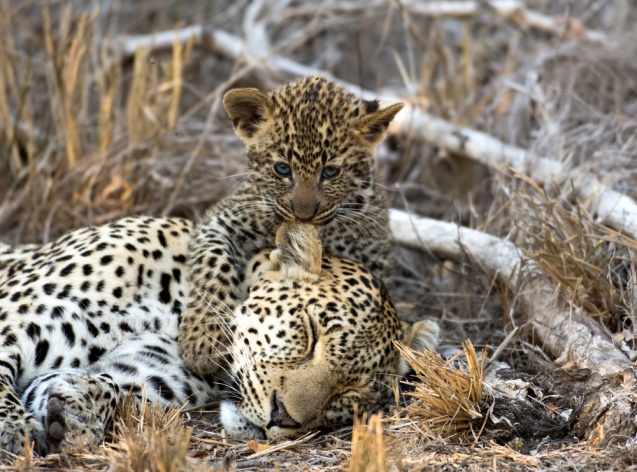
(255, 446)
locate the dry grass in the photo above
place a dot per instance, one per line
(148, 438)
(590, 263)
(447, 398)
(368, 445)
(86, 130)
(87, 136)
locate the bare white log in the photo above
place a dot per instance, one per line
(226, 45)
(613, 208)
(513, 10)
(217, 41)
(570, 335)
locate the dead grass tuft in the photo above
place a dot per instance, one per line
(446, 398)
(368, 445)
(590, 263)
(26, 462)
(147, 437)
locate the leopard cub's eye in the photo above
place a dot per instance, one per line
(282, 170)
(330, 172)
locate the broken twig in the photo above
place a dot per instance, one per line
(513, 10)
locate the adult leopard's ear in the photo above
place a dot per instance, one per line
(372, 126)
(248, 108)
(419, 336)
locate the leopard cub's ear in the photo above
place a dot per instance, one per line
(372, 127)
(419, 336)
(248, 108)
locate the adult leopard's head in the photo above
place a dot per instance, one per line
(314, 341)
(310, 146)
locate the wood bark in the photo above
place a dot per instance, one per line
(613, 208)
(569, 335)
(513, 10)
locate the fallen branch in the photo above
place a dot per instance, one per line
(218, 42)
(226, 45)
(569, 335)
(613, 208)
(513, 10)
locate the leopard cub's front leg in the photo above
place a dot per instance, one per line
(219, 249)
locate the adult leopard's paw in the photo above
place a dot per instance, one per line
(78, 411)
(70, 431)
(201, 352)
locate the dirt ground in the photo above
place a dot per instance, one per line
(93, 128)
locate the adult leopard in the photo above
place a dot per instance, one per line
(92, 316)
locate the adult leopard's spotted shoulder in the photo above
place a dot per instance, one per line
(93, 314)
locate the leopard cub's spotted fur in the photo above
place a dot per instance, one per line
(310, 150)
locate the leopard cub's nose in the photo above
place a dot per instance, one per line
(304, 211)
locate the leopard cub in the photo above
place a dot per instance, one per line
(310, 147)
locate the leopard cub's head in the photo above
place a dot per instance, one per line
(310, 146)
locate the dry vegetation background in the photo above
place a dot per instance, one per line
(93, 128)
